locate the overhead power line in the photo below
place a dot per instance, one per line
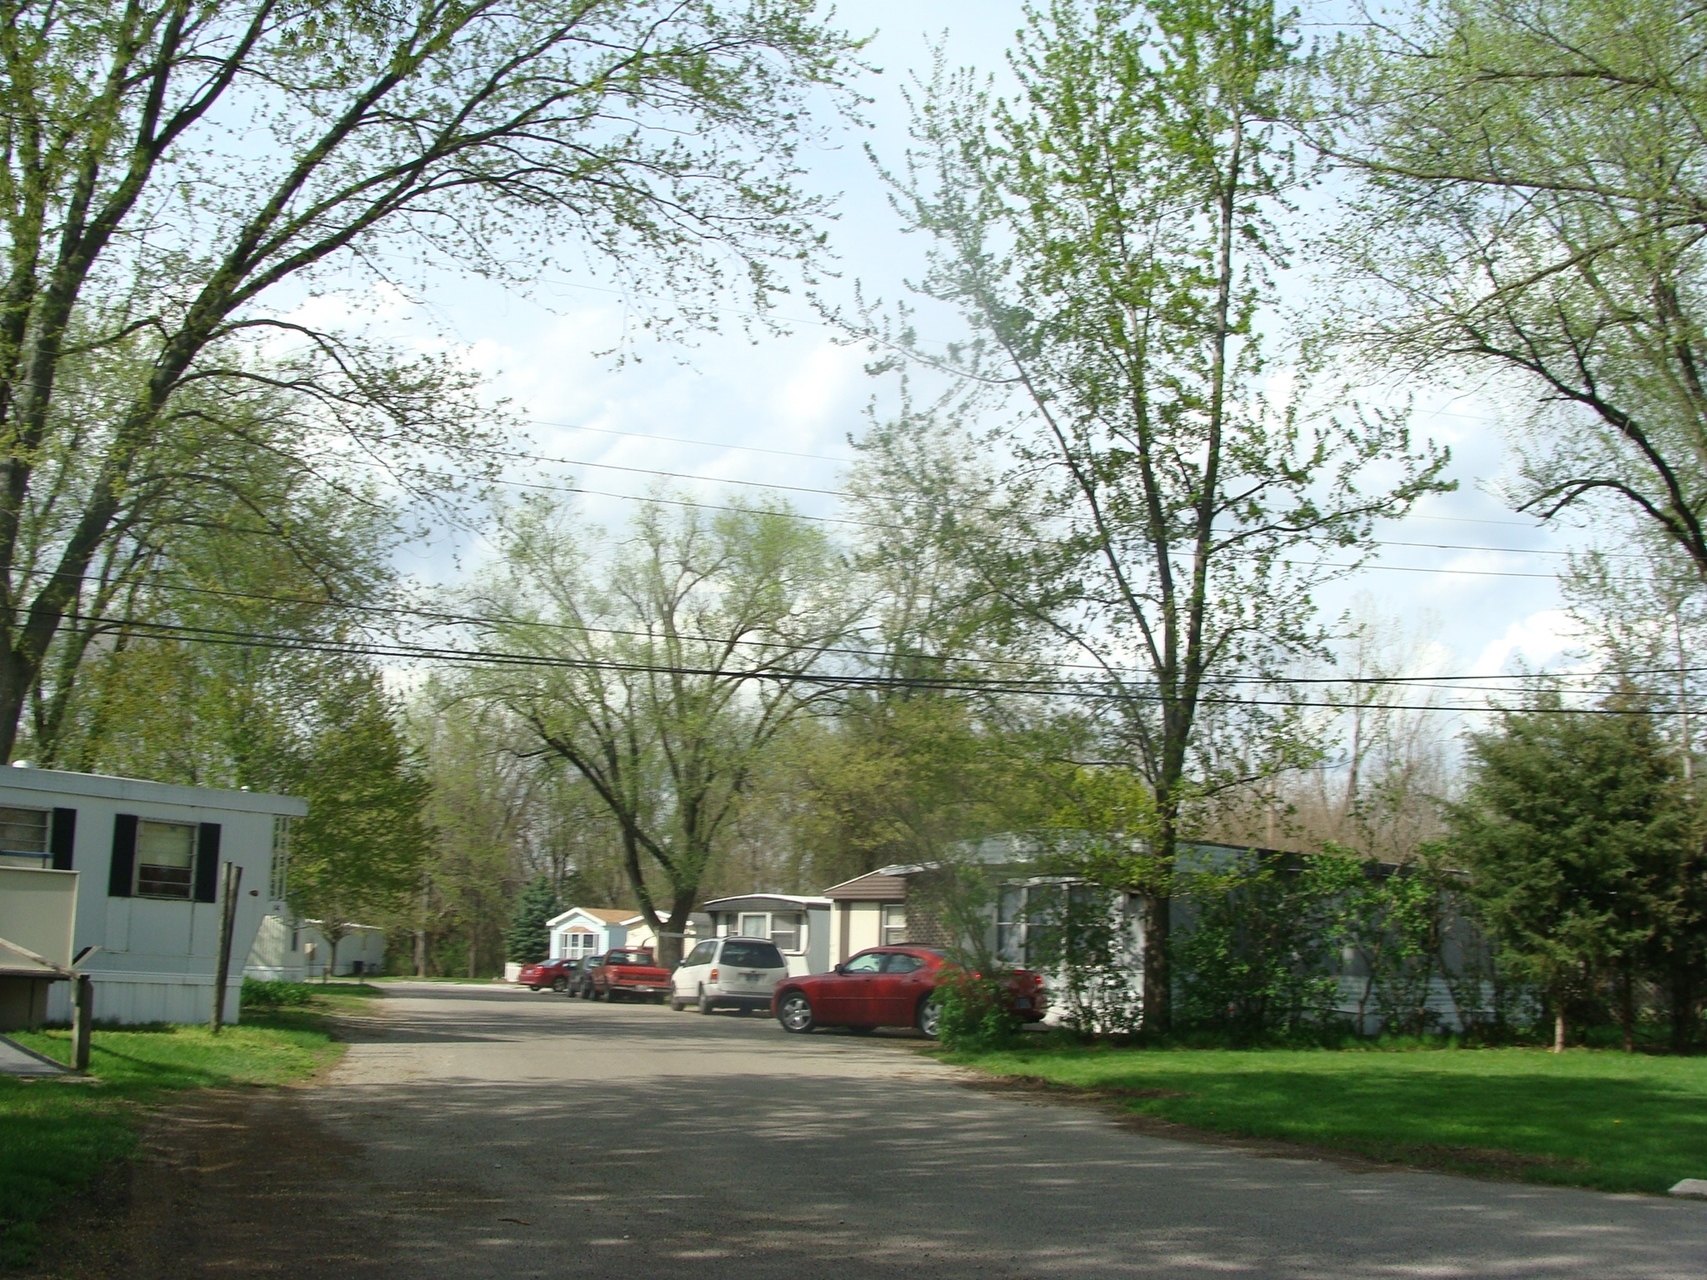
(445, 617)
(473, 657)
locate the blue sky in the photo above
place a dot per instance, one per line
(779, 410)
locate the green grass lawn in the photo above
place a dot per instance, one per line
(55, 1135)
(1586, 1118)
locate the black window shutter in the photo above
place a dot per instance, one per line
(207, 863)
(62, 837)
(123, 869)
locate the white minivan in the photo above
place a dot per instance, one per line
(738, 973)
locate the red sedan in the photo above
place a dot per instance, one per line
(886, 987)
(545, 973)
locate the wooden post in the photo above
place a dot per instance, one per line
(83, 996)
(232, 882)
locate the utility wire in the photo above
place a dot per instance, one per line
(443, 617)
(824, 680)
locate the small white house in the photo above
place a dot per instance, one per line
(147, 857)
(592, 931)
(291, 949)
(800, 926)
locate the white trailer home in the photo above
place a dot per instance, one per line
(799, 925)
(147, 857)
(289, 949)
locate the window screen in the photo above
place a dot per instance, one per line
(894, 924)
(785, 930)
(281, 859)
(165, 859)
(1011, 924)
(24, 830)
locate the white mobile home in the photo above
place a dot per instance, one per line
(592, 931)
(290, 949)
(800, 926)
(147, 857)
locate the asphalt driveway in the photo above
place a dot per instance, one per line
(480, 1132)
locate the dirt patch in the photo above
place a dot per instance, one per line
(1105, 1091)
(229, 1182)
(1490, 1162)
(1490, 1158)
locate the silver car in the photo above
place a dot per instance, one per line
(738, 973)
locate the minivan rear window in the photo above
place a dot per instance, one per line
(752, 955)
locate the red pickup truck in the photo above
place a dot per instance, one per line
(632, 974)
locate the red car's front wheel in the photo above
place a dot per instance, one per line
(795, 1013)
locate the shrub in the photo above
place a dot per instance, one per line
(1258, 958)
(975, 1013)
(260, 994)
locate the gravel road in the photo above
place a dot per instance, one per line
(481, 1132)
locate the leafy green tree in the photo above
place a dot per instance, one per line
(1531, 180)
(1572, 828)
(527, 939)
(664, 674)
(1109, 235)
(903, 777)
(172, 176)
(1259, 955)
(358, 854)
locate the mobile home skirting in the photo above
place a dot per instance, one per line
(150, 997)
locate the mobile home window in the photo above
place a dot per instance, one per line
(24, 830)
(894, 924)
(281, 858)
(785, 930)
(1011, 926)
(755, 926)
(165, 859)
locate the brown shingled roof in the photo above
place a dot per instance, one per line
(874, 887)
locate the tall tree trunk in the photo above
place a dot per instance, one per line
(1627, 1006)
(1682, 995)
(670, 941)
(1559, 1027)
(1157, 1013)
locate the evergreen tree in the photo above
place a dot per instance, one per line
(527, 940)
(1574, 830)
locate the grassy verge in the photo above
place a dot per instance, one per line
(1585, 1118)
(56, 1135)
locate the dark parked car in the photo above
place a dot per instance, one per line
(887, 987)
(581, 981)
(546, 973)
(572, 971)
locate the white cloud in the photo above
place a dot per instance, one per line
(1535, 641)
(820, 386)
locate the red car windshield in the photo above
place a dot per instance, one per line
(629, 957)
